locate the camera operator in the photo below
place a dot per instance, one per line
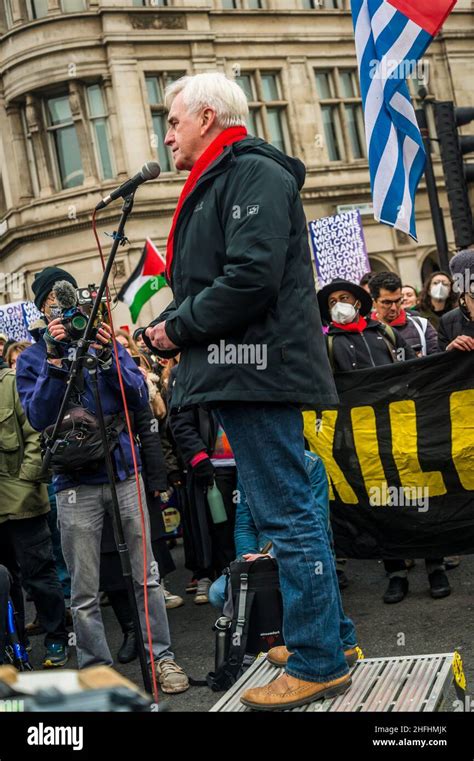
(82, 489)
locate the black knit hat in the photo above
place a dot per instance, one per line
(343, 285)
(462, 270)
(44, 281)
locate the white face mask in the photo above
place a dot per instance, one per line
(343, 313)
(439, 291)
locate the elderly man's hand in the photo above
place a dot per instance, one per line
(159, 338)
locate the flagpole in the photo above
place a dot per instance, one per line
(436, 211)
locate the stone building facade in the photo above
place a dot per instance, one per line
(81, 93)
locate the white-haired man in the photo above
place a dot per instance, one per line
(246, 321)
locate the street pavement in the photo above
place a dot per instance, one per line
(417, 625)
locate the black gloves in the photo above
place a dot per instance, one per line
(203, 473)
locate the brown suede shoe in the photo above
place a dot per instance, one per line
(288, 692)
(278, 656)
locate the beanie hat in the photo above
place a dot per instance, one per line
(44, 281)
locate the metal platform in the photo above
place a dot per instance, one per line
(417, 683)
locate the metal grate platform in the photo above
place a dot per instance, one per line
(408, 683)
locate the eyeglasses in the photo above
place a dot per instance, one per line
(390, 302)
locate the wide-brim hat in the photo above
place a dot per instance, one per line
(343, 285)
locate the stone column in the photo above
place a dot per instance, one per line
(131, 112)
(17, 169)
(38, 137)
(114, 128)
(19, 13)
(54, 7)
(83, 135)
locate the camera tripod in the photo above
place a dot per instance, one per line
(83, 360)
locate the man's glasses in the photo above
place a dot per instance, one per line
(390, 302)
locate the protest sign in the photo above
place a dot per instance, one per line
(339, 248)
(15, 319)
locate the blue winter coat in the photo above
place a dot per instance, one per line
(41, 387)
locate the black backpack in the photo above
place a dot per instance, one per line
(256, 623)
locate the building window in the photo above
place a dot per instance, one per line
(100, 135)
(37, 8)
(73, 6)
(267, 108)
(341, 114)
(156, 85)
(327, 4)
(30, 152)
(67, 137)
(149, 3)
(64, 143)
(242, 4)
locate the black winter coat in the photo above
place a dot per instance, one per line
(242, 275)
(371, 348)
(452, 325)
(194, 430)
(411, 335)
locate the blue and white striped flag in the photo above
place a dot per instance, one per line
(391, 36)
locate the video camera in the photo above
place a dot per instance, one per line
(69, 302)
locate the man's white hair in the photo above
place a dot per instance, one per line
(213, 90)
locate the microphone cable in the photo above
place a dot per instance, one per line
(135, 465)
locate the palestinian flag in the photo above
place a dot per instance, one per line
(146, 280)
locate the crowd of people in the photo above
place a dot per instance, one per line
(376, 322)
(205, 432)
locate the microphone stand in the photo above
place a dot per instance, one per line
(82, 359)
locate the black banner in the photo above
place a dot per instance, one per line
(399, 453)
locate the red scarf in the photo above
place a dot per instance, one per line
(398, 322)
(353, 327)
(212, 152)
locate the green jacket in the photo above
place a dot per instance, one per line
(245, 310)
(21, 493)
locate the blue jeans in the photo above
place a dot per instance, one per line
(217, 592)
(81, 515)
(268, 445)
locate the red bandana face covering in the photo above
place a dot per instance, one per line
(353, 327)
(212, 152)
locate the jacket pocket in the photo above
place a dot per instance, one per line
(10, 445)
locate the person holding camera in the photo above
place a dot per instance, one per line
(80, 477)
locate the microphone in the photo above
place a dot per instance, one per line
(149, 171)
(65, 293)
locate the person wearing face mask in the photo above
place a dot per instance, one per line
(437, 297)
(354, 340)
(456, 329)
